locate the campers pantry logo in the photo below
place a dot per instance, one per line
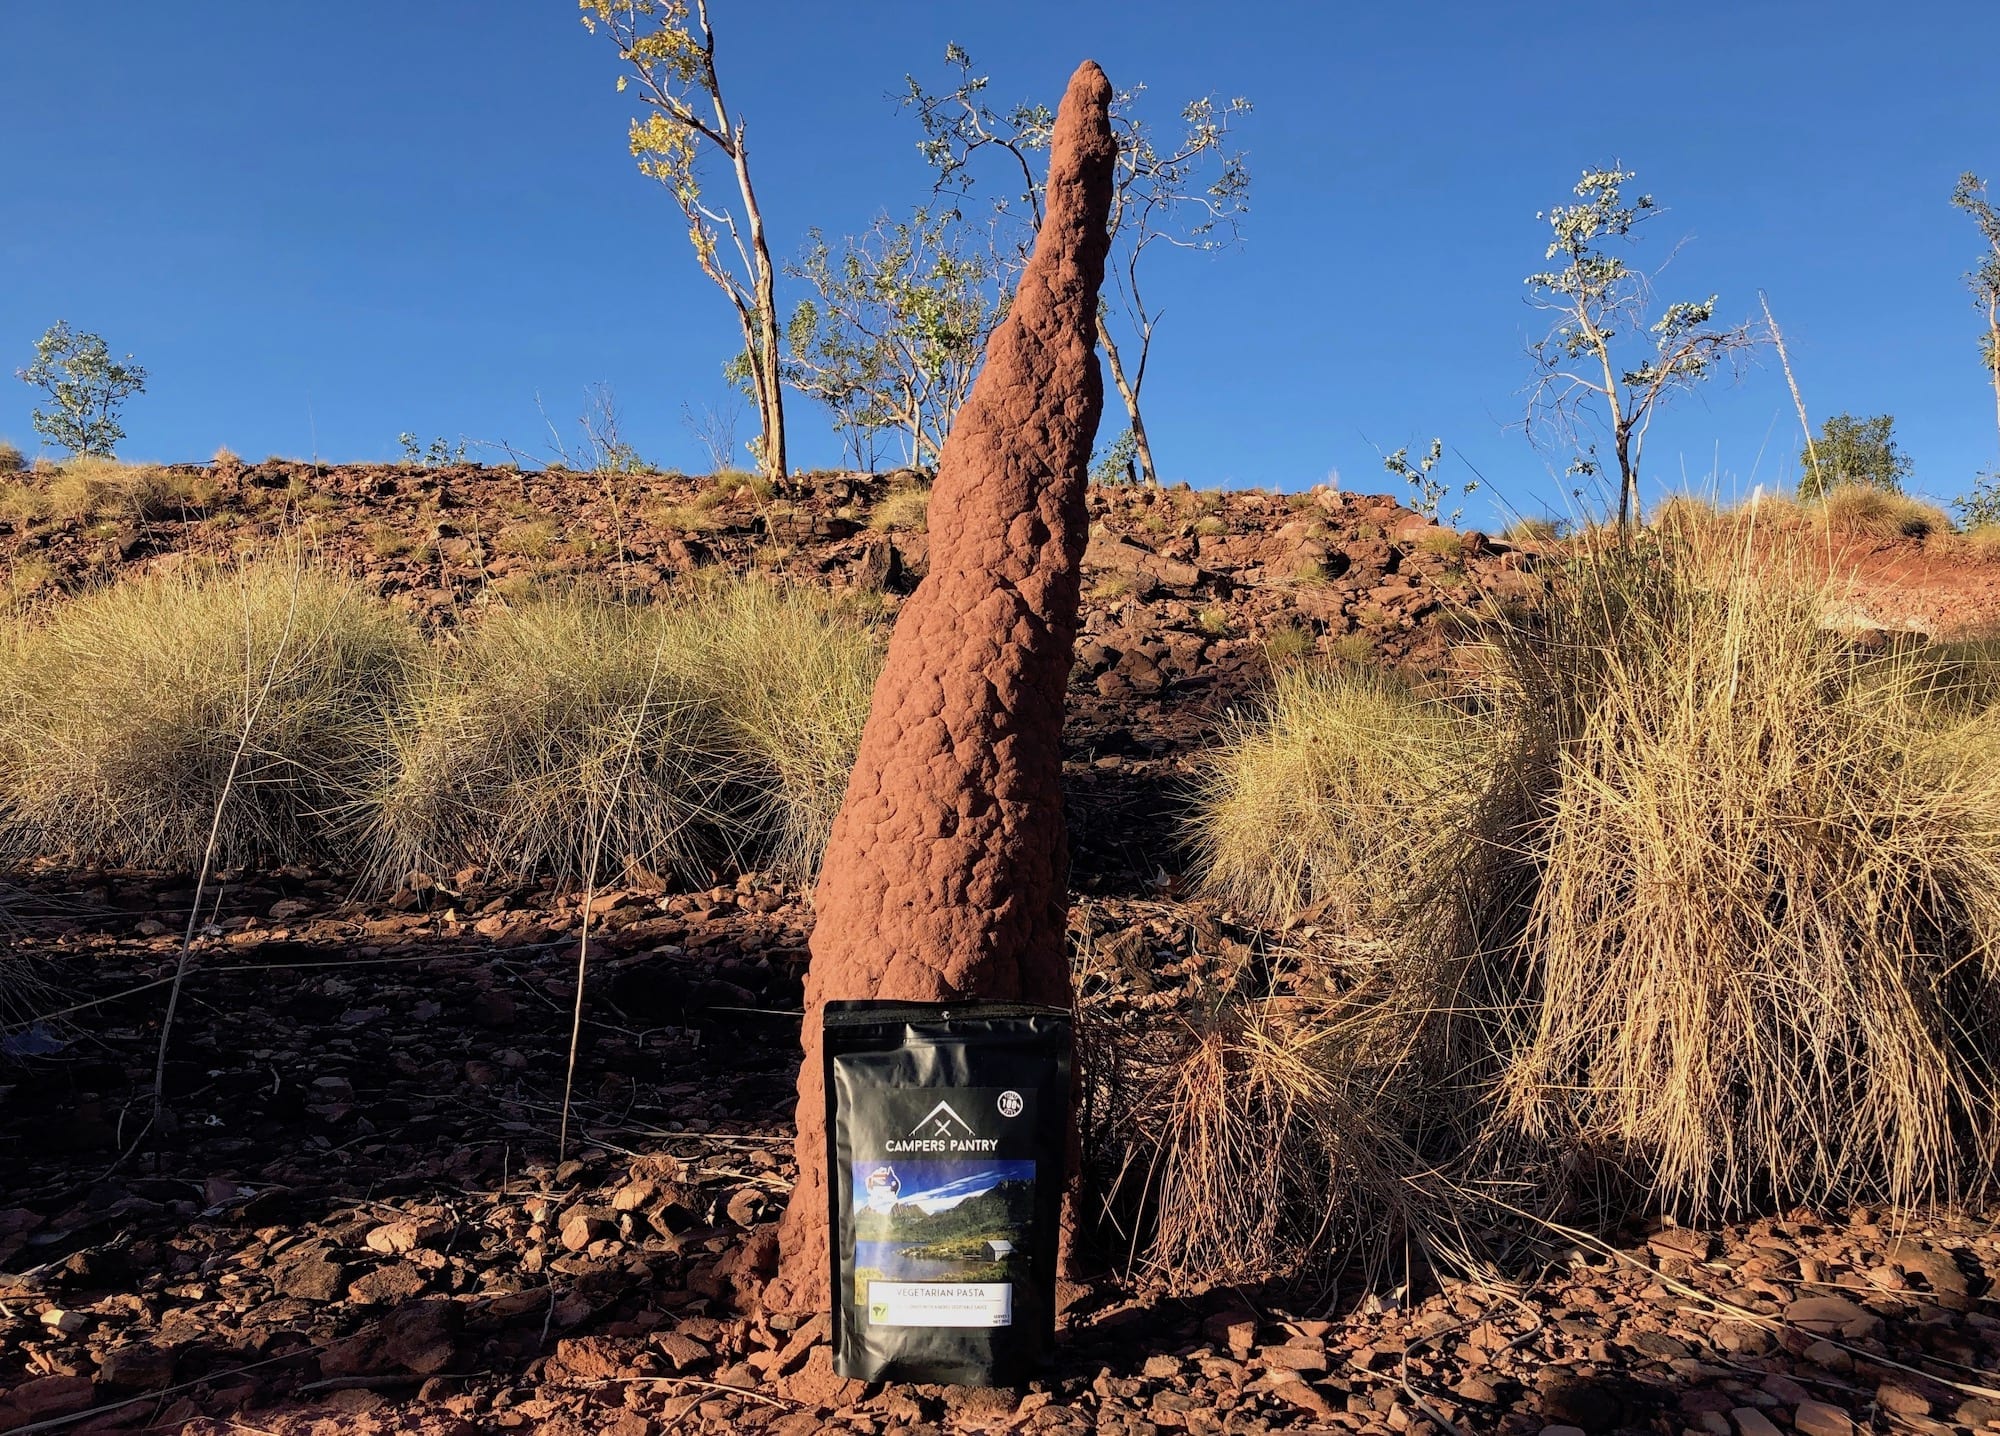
(942, 1130)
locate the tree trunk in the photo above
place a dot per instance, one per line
(1993, 348)
(1628, 482)
(771, 390)
(1131, 397)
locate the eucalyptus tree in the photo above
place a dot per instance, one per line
(894, 330)
(668, 48)
(1984, 278)
(1606, 364)
(85, 386)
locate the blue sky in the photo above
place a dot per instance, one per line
(937, 1186)
(320, 225)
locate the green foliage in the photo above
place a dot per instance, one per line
(1006, 1212)
(1981, 507)
(85, 386)
(435, 455)
(1183, 189)
(1984, 280)
(1853, 451)
(1421, 477)
(1118, 463)
(895, 331)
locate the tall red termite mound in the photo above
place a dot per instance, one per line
(947, 873)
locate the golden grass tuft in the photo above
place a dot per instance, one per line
(1333, 795)
(1714, 891)
(11, 461)
(901, 509)
(85, 489)
(1761, 950)
(574, 733)
(125, 709)
(790, 677)
(1878, 513)
(561, 735)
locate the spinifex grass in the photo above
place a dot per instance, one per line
(576, 735)
(127, 711)
(1671, 875)
(550, 722)
(1761, 952)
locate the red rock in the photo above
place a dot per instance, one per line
(683, 1351)
(946, 875)
(137, 1367)
(385, 1286)
(1816, 1418)
(422, 1336)
(1833, 1316)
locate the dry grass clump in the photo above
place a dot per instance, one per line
(1535, 530)
(1678, 877)
(1277, 1137)
(11, 461)
(1762, 952)
(1879, 513)
(905, 508)
(789, 678)
(85, 489)
(575, 735)
(1980, 543)
(130, 712)
(1333, 796)
(561, 736)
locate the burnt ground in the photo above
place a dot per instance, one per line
(353, 1216)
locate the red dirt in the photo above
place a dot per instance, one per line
(947, 873)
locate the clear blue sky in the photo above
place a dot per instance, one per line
(319, 225)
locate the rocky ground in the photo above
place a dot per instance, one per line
(352, 1214)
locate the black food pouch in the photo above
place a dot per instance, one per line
(947, 1138)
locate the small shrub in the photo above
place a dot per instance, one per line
(128, 707)
(11, 461)
(1215, 621)
(1211, 526)
(225, 458)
